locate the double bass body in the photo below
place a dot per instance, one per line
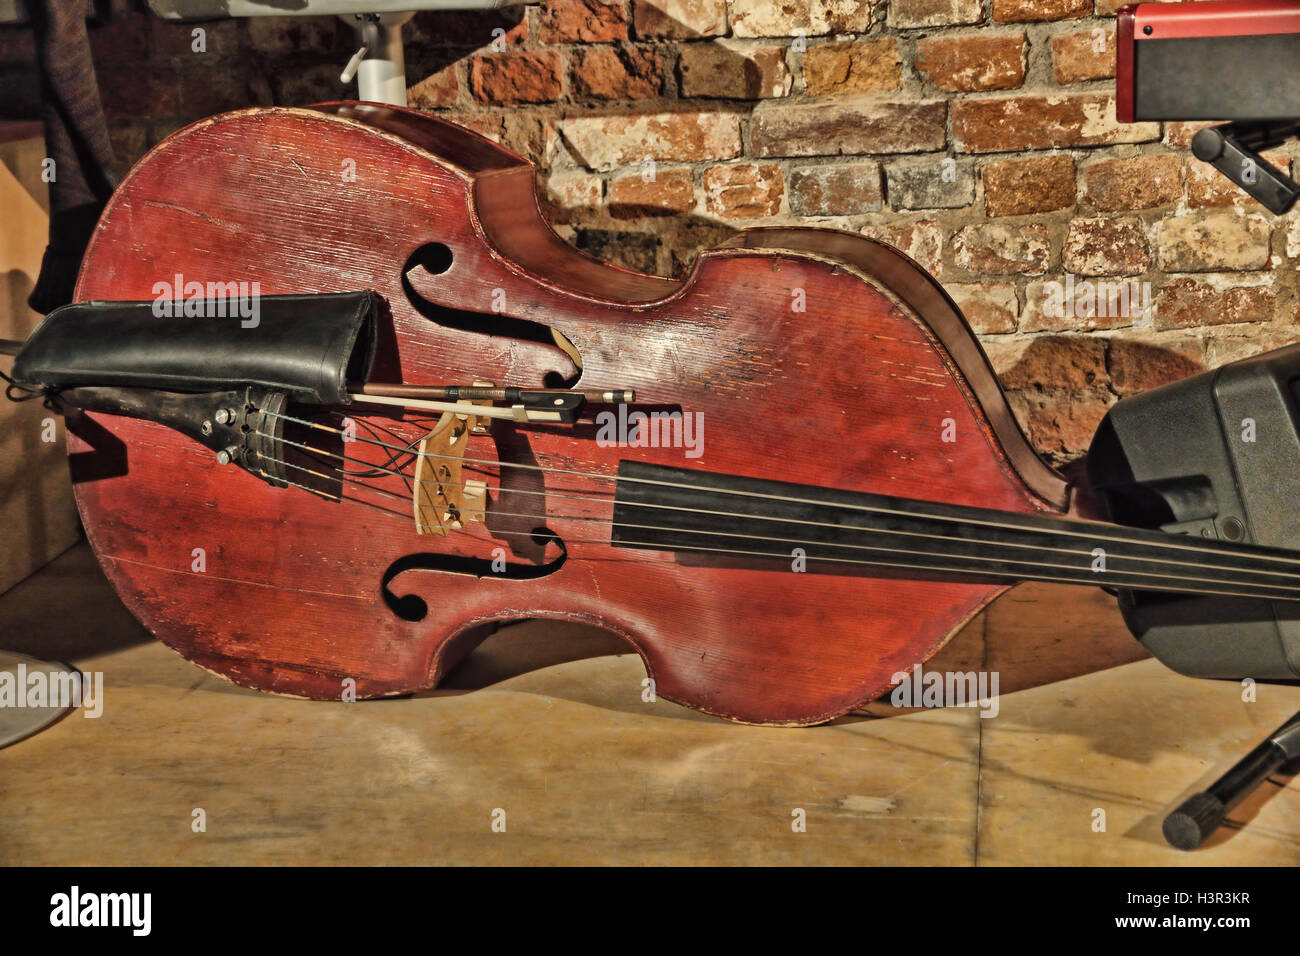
(812, 356)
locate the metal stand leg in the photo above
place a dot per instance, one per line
(1201, 814)
(1233, 149)
(379, 66)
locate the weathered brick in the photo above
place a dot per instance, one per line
(637, 251)
(923, 241)
(1067, 304)
(616, 73)
(847, 128)
(1207, 187)
(679, 19)
(997, 248)
(1179, 135)
(1063, 429)
(745, 191)
(908, 14)
(1219, 242)
(763, 18)
(930, 183)
(528, 133)
(435, 91)
(313, 83)
(1015, 187)
(1106, 247)
(1185, 303)
(670, 192)
(1025, 11)
(531, 134)
(1230, 345)
(217, 88)
(581, 21)
(732, 70)
(1141, 182)
(603, 142)
(685, 240)
(1040, 122)
(1049, 362)
(1137, 367)
(466, 29)
(843, 16)
(973, 61)
(132, 92)
(555, 149)
(839, 189)
(864, 66)
(515, 77)
(1087, 55)
(491, 125)
(570, 190)
(990, 307)
(284, 35)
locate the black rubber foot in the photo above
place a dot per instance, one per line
(1191, 824)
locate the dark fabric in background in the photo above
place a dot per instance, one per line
(76, 139)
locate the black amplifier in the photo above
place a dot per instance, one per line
(1215, 456)
(1220, 60)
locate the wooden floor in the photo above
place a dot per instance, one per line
(545, 725)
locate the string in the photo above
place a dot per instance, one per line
(791, 521)
(533, 535)
(867, 530)
(1094, 537)
(19, 393)
(659, 546)
(874, 563)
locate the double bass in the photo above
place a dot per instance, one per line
(784, 479)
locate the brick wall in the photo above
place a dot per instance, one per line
(976, 135)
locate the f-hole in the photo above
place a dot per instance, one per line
(412, 607)
(436, 258)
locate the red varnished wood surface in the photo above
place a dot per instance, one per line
(851, 393)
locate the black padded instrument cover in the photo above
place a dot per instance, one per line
(308, 346)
